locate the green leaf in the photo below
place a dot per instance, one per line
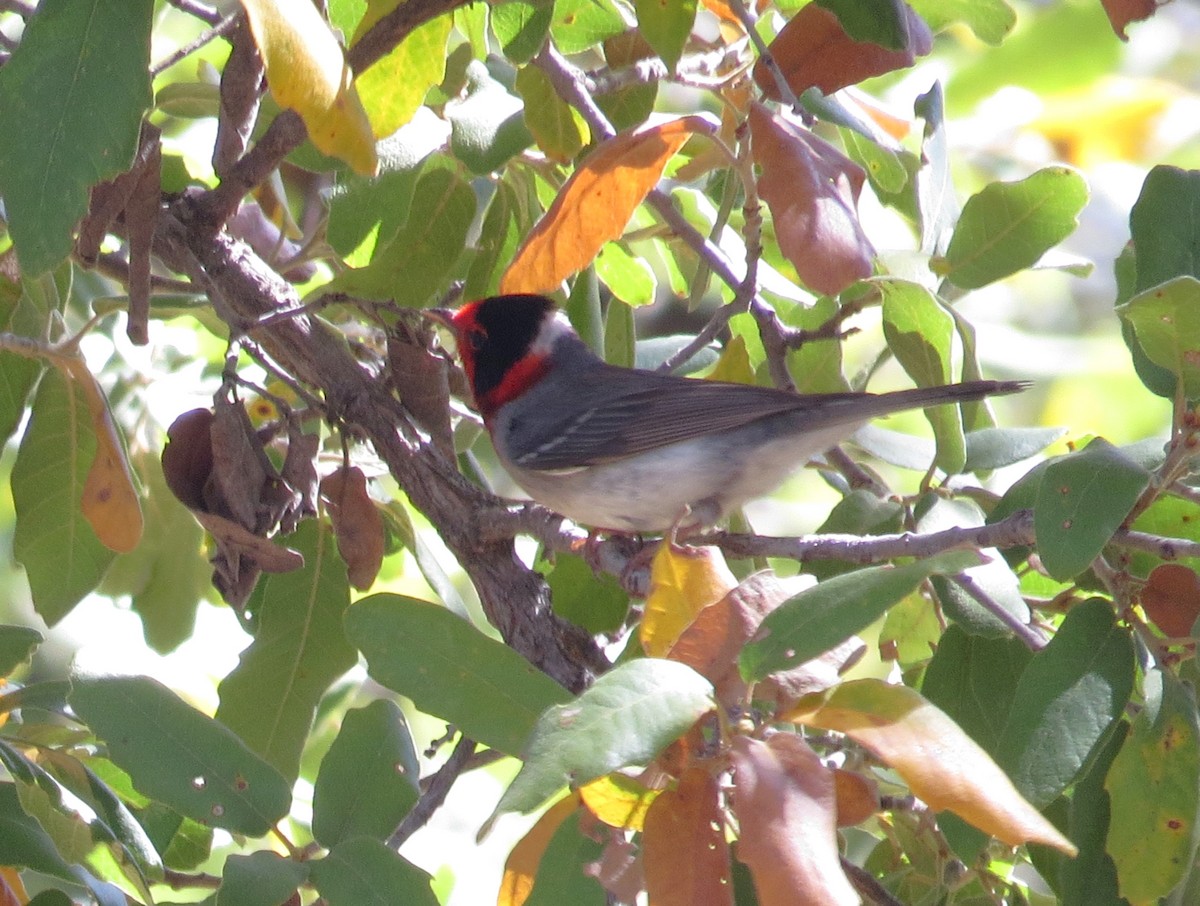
(885, 167)
(1008, 226)
(62, 556)
(521, 27)
(858, 513)
(369, 777)
(51, 897)
(1165, 226)
(1170, 517)
(629, 106)
(1154, 788)
(1090, 879)
(580, 24)
(496, 245)
(178, 755)
(23, 842)
(990, 20)
(73, 95)
(419, 259)
(17, 644)
(627, 276)
(974, 680)
(666, 26)
(365, 214)
(259, 879)
(881, 22)
(1166, 321)
(1068, 700)
(487, 127)
(921, 334)
(816, 367)
(936, 200)
(561, 872)
(620, 335)
(821, 617)
(19, 314)
(271, 695)
(364, 872)
(451, 670)
(626, 718)
(394, 87)
(559, 129)
(597, 603)
(1081, 500)
(995, 448)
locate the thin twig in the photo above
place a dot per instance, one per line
(18, 7)
(435, 793)
(199, 10)
(766, 57)
(221, 28)
(867, 886)
(1166, 548)
(1032, 637)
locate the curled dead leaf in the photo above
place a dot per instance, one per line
(422, 379)
(857, 797)
(235, 540)
(187, 459)
(596, 203)
(1171, 599)
(786, 808)
(812, 190)
(814, 51)
(356, 523)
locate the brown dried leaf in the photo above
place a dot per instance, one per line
(422, 380)
(110, 501)
(240, 465)
(619, 870)
(187, 459)
(1171, 599)
(684, 852)
(683, 581)
(299, 477)
(356, 523)
(711, 643)
(1122, 12)
(241, 94)
(596, 203)
(786, 808)
(235, 541)
(857, 797)
(520, 868)
(812, 190)
(814, 51)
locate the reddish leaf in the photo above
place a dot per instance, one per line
(520, 868)
(857, 797)
(812, 190)
(787, 811)
(596, 203)
(814, 51)
(1122, 12)
(187, 459)
(356, 523)
(1171, 598)
(684, 853)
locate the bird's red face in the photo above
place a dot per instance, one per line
(498, 344)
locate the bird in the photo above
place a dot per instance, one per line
(626, 450)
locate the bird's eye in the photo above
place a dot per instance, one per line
(476, 339)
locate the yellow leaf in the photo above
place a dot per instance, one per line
(618, 801)
(683, 581)
(596, 204)
(1111, 119)
(734, 364)
(394, 88)
(307, 72)
(939, 762)
(110, 501)
(520, 868)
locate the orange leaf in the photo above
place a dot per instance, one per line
(596, 204)
(811, 189)
(618, 801)
(356, 523)
(939, 762)
(814, 51)
(1122, 12)
(12, 890)
(684, 853)
(110, 501)
(683, 581)
(1171, 599)
(785, 805)
(857, 797)
(520, 868)
(308, 73)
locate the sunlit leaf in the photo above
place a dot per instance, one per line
(73, 93)
(308, 73)
(488, 125)
(357, 524)
(521, 26)
(1154, 787)
(1166, 321)
(812, 190)
(939, 762)
(626, 718)
(990, 20)
(560, 130)
(618, 801)
(394, 87)
(580, 24)
(683, 581)
(684, 851)
(17, 644)
(451, 670)
(1007, 227)
(786, 808)
(596, 203)
(666, 26)
(521, 866)
(181, 757)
